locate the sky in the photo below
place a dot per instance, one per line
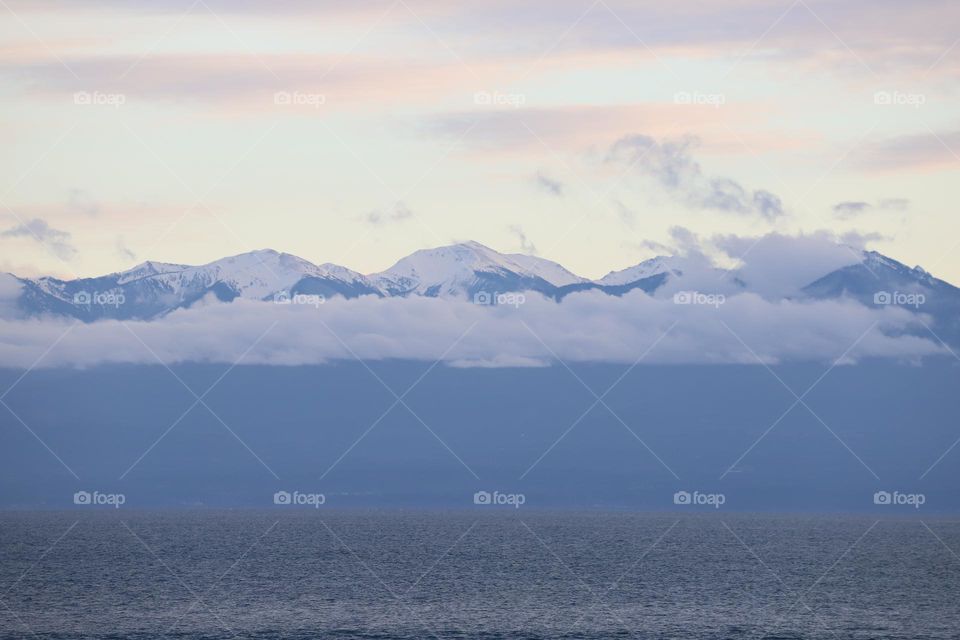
(581, 131)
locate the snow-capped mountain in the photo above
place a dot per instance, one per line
(860, 280)
(468, 268)
(692, 271)
(646, 269)
(461, 272)
(147, 269)
(550, 271)
(666, 275)
(154, 288)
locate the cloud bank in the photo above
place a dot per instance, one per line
(778, 265)
(586, 327)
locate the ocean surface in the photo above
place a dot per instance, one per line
(482, 573)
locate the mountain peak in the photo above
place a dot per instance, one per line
(255, 254)
(650, 267)
(473, 244)
(461, 270)
(147, 269)
(877, 258)
(458, 268)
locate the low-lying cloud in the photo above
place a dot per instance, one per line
(531, 331)
(777, 265)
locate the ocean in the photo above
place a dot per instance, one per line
(486, 573)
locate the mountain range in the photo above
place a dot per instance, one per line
(466, 271)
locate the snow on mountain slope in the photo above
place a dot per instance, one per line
(878, 274)
(255, 275)
(153, 288)
(550, 271)
(458, 270)
(335, 271)
(645, 269)
(678, 273)
(148, 269)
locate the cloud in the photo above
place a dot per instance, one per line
(894, 204)
(767, 204)
(880, 34)
(626, 215)
(586, 327)
(774, 266)
(177, 7)
(850, 209)
(549, 185)
(10, 291)
(81, 201)
(577, 128)
(55, 240)
(225, 80)
(685, 241)
(777, 265)
(859, 240)
(124, 252)
(525, 244)
(398, 213)
(923, 151)
(671, 164)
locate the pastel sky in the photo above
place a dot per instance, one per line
(582, 131)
